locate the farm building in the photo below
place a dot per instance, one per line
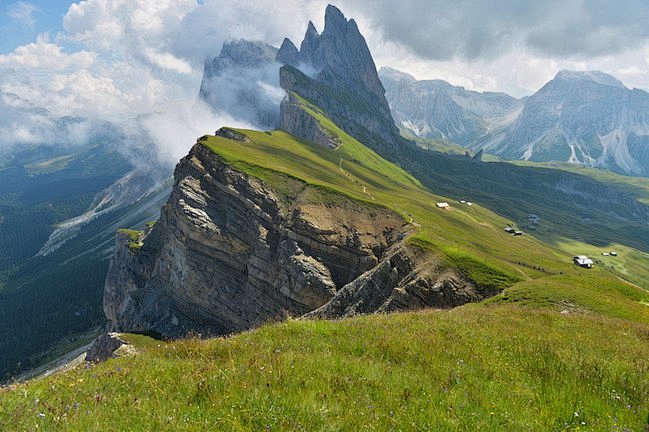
(583, 261)
(443, 205)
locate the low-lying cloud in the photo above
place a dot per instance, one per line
(138, 64)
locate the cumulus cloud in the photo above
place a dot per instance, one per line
(483, 29)
(23, 13)
(45, 55)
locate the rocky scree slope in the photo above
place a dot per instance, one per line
(232, 251)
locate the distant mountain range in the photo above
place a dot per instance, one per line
(587, 118)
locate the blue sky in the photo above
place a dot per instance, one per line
(22, 21)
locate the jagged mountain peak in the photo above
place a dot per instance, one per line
(343, 51)
(309, 44)
(337, 73)
(246, 52)
(288, 53)
(589, 76)
(310, 29)
(334, 18)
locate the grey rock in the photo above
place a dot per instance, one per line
(406, 279)
(231, 134)
(303, 125)
(288, 53)
(104, 347)
(309, 44)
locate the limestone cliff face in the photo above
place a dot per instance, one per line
(229, 253)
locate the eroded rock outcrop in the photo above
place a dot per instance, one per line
(408, 278)
(105, 347)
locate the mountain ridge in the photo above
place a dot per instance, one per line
(582, 117)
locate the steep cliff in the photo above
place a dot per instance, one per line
(230, 253)
(233, 250)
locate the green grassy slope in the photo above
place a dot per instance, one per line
(632, 263)
(572, 223)
(562, 349)
(473, 368)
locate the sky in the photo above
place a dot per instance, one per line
(117, 59)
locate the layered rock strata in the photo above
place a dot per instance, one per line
(230, 253)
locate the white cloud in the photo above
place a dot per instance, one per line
(506, 45)
(23, 13)
(176, 125)
(168, 61)
(45, 55)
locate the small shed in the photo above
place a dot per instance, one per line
(613, 253)
(518, 233)
(443, 205)
(509, 229)
(583, 261)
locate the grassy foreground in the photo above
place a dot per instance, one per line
(474, 368)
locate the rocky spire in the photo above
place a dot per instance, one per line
(288, 53)
(345, 85)
(310, 44)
